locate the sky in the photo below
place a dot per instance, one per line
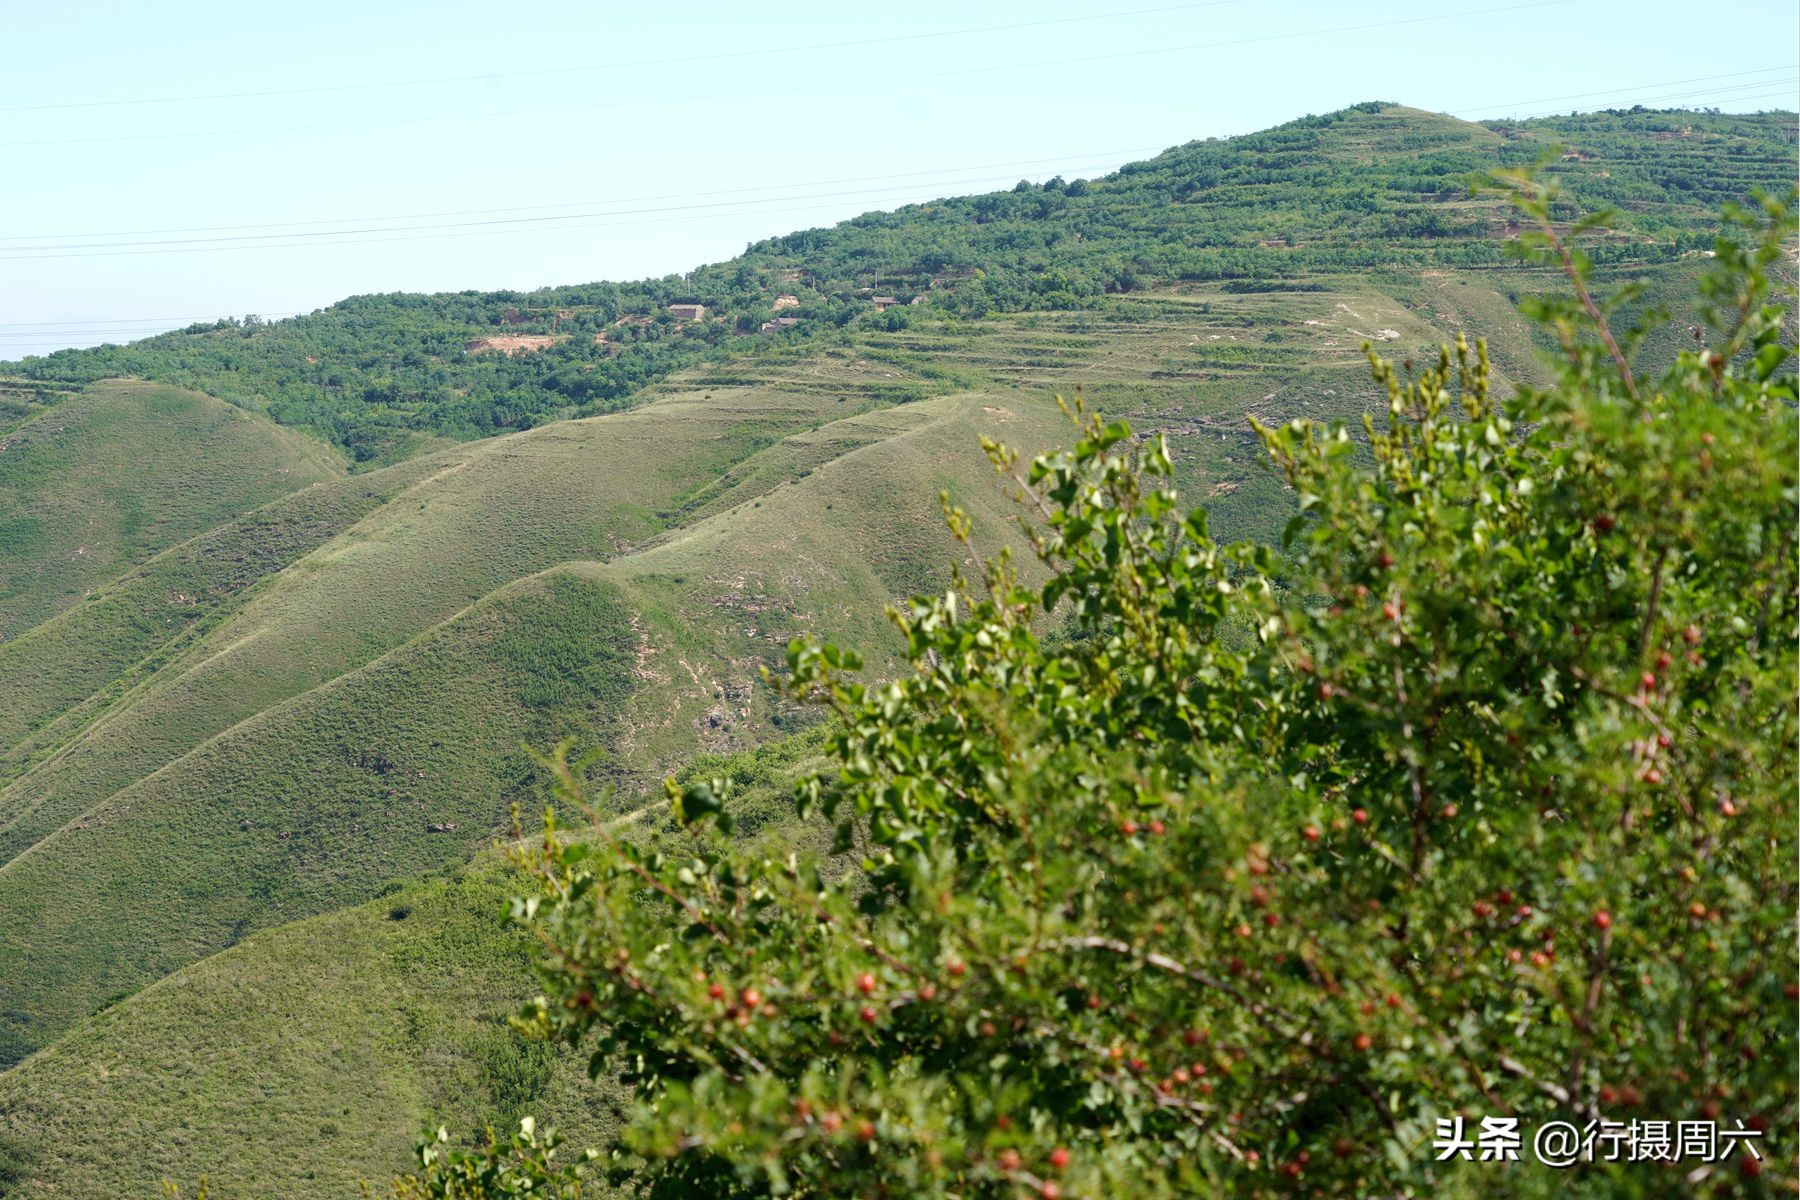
(167, 164)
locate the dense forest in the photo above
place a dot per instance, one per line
(1370, 188)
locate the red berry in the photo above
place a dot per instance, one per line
(1362, 1041)
(1360, 816)
(1449, 811)
(716, 992)
(1050, 1190)
(1648, 681)
(1128, 827)
(865, 983)
(1390, 611)
(1310, 833)
(1604, 522)
(957, 968)
(868, 1014)
(1697, 910)
(865, 1131)
(751, 998)
(1393, 1001)
(1009, 1159)
(1653, 776)
(1193, 1037)
(1059, 1157)
(1663, 661)
(1093, 1001)
(1691, 635)
(928, 991)
(1384, 560)
(1603, 920)
(1157, 828)
(830, 1122)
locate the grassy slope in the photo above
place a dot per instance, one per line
(102, 482)
(488, 514)
(231, 785)
(69, 668)
(342, 1035)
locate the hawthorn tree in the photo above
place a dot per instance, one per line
(1229, 870)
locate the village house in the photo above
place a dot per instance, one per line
(687, 312)
(884, 302)
(779, 324)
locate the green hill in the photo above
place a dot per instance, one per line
(279, 699)
(104, 481)
(71, 667)
(348, 1032)
(1372, 188)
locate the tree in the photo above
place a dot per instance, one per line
(1217, 870)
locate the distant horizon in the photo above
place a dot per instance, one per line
(706, 131)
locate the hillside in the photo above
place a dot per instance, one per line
(96, 485)
(350, 1031)
(286, 691)
(1372, 188)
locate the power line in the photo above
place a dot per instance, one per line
(1488, 108)
(1726, 93)
(275, 237)
(488, 77)
(802, 88)
(112, 321)
(79, 325)
(356, 237)
(921, 198)
(469, 212)
(270, 241)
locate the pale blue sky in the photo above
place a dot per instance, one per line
(671, 134)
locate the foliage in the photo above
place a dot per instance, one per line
(1480, 801)
(524, 1166)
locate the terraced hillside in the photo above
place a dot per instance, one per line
(1368, 189)
(290, 691)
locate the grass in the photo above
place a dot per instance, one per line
(72, 666)
(346, 1034)
(102, 482)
